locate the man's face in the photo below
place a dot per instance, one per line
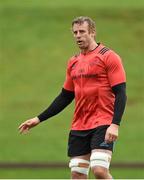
(82, 35)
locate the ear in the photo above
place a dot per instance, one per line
(93, 34)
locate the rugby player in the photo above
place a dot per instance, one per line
(96, 79)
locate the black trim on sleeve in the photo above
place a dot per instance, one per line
(120, 102)
(60, 102)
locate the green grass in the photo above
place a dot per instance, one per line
(35, 44)
(64, 174)
(83, 4)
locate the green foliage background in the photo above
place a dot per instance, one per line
(35, 44)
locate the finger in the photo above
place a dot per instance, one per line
(109, 138)
(27, 123)
(26, 131)
(106, 136)
(112, 138)
(23, 124)
(23, 129)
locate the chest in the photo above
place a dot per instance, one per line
(88, 68)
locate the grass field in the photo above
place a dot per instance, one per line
(64, 174)
(35, 44)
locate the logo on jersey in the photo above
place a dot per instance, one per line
(73, 66)
(104, 144)
(85, 76)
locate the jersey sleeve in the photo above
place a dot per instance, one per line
(68, 84)
(115, 69)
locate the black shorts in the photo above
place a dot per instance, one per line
(82, 142)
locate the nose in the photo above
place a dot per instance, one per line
(78, 35)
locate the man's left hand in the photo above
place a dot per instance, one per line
(111, 133)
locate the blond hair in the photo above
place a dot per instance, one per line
(80, 20)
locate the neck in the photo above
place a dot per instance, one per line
(91, 47)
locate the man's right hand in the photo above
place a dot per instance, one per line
(28, 124)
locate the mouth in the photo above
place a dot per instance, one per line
(79, 42)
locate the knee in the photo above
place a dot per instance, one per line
(79, 168)
(100, 172)
(77, 175)
(100, 162)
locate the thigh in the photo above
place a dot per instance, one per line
(78, 145)
(98, 140)
(84, 157)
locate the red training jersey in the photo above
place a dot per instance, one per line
(91, 77)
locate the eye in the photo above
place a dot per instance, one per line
(82, 31)
(75, 32)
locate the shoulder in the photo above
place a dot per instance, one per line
(103, 50)
(106, 51)
(113, 57)
(109, 55)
